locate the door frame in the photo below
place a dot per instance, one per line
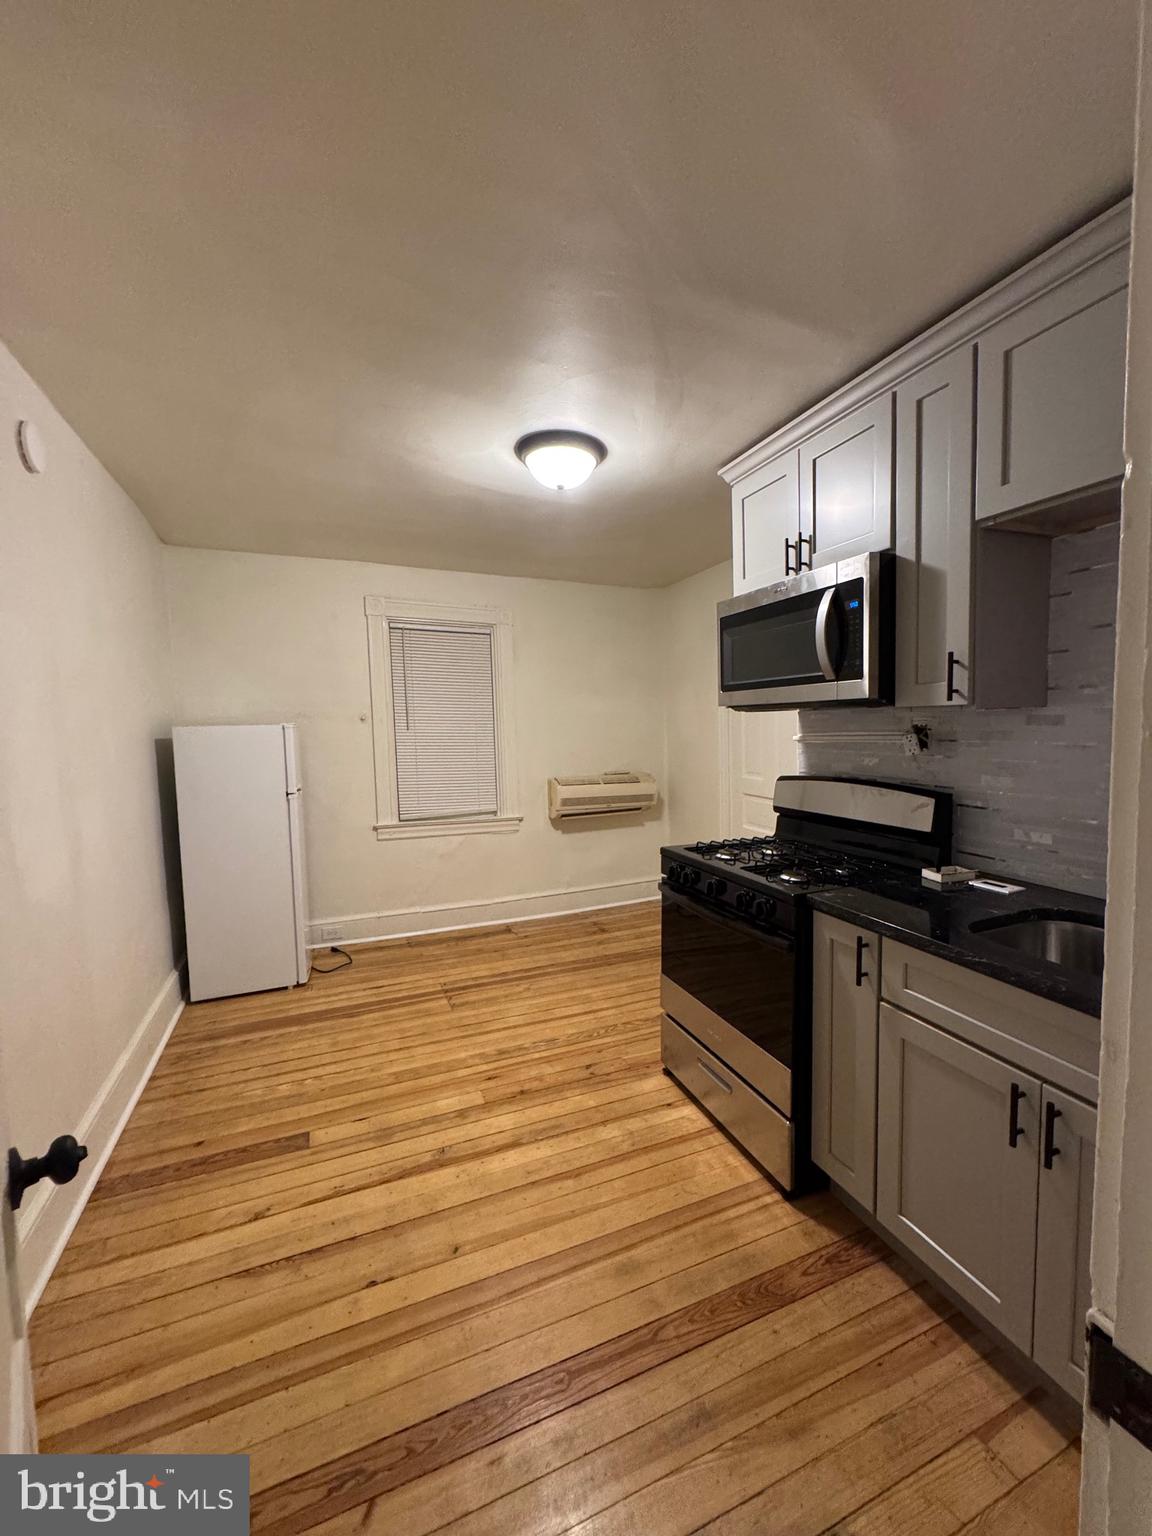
(17, 1401)
(1116, 1491)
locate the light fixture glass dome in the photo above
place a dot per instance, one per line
(560, 460)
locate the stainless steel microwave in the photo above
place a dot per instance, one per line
(822, 637)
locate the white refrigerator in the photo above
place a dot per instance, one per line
(238, 797)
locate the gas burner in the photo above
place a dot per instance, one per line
(793, 877)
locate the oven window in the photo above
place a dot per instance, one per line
(772, 645)
(745, 976)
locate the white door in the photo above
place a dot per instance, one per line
(18, 1426)
(759, 746)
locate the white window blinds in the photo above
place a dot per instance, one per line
(444, 720)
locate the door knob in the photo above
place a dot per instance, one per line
(61, 1164)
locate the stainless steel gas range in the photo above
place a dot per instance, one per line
(735, 948)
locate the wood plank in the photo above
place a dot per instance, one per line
(1045, 1504)
(563, 1442)
(434, 1241)
(301, 1480)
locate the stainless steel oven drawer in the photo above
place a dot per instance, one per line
(759, 1128)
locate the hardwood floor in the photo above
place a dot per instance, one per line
(437, 1244)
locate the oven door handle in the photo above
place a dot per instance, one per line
(824, 616)
(700, 907)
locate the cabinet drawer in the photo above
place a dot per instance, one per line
(1053, 1042)
(752, 1120)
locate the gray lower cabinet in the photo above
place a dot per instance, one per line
(845, 998)
(1063, 1237)
(1051, 393)
(958, 1164)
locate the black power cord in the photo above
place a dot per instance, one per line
(328, 969)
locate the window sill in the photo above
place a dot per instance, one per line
(387, 830)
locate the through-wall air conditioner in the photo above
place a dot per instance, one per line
(601, 794)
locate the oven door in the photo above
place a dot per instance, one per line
(733, 987)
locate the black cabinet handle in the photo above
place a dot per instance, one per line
(1015, 1129)
(788, 571)
(951, 690)
(861, 946)
(801, 540)
(1051, 1150)
(61, 1164)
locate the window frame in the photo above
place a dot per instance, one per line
(379, 613)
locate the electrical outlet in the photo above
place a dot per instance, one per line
(328, 935)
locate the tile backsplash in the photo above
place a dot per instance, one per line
(1030, 785)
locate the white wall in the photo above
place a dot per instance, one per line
(722, 764)
(694, 720)
(86, 980)
(265, 638)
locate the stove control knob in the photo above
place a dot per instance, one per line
(675, 874)
(743, 901)
(691, 877)
(760, 910)
(715, 888)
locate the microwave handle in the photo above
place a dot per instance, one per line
(823, 620)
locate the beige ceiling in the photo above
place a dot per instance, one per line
(301, 273)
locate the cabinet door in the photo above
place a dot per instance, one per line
(765, 520)
(957, 1165)
(935, 416)
(846, 486)
(1064, 1237)
(844, 1004)
(1051, 393)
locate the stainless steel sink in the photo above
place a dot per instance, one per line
(1068, 939)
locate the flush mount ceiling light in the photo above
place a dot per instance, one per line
(560, 460)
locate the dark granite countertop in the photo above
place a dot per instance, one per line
(939, 921)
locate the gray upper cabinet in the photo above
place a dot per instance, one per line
(910, 453)
(845, 999)
(957, 1166)
(765, 523)
(846, 486)
(1051, 393)
(1063, 1237)
(934, 435)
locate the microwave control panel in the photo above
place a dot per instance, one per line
(851, 605)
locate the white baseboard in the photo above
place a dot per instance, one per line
(369, 927)
(47, 1219)
(21, 1426)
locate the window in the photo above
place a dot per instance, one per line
(441, 716)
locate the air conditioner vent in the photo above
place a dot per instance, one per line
(601, 794)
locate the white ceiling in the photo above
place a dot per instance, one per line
(301, 273)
